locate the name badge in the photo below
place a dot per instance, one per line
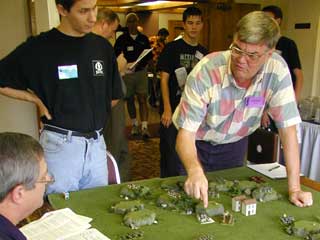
(199, 55)
(130, 48)
(255, 102)
(67, 72)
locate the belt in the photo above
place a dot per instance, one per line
(87, 135)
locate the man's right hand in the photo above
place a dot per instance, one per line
(166, 118)
(196, 185)
(43, 110)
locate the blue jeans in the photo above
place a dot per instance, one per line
(76, 162)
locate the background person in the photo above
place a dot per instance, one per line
(131, 44)
(287, 48)
(114, 131)
(180, 55)
(223, 102)
(73, 84)
(23, 178)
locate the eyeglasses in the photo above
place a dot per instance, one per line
(236, 52)
(49, 179)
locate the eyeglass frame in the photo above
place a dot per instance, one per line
(253, 57)
(47, 182)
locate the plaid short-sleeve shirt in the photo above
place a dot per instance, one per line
(219, 111)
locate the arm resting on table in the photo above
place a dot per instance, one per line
(289, 141)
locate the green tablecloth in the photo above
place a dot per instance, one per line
(265, 224)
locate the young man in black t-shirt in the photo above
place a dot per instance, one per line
(287, 48)
(175, 62)
(73, 77)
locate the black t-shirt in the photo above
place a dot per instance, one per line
(133, 48)
(75, 77)
(178, 54)
(289, 51)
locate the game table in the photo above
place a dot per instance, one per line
(95, 203)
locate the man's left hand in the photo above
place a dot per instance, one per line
(301, 198)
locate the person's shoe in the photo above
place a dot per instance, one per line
(135, 130)
(145, 133)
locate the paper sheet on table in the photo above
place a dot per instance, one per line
(57, 224)
(271, 170)
(141, 56)
(89, 234)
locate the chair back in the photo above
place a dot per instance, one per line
(113, 171)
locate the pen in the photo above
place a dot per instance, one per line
(273, 168)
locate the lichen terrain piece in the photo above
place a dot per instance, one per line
(304, 228)
(124, 207)
(213, 209)
(133, 191)
(139, 218)
(265, 194)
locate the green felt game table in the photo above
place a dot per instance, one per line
(95, 203)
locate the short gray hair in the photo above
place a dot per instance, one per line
(108, 15)
(257, 27)
(20, 156)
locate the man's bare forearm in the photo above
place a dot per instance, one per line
(291, 153)
(23, 95)
(27, 96)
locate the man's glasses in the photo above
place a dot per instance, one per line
(236, 52)
(49, 179)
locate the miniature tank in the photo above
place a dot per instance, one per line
(124, 207)
(204, 237)
(265, 194)
(139, 218)
(212, 210)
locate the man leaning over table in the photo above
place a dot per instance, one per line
(223, 102)
(72, 76)
(23, 178)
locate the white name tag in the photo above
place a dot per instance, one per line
(67, 72)
(199, 55)
(130, 48)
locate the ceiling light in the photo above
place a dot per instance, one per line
(151, 3)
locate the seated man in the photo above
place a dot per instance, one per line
(23, 179)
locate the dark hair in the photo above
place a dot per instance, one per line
(66, 4)
(276, 11)
(163, 32)
(20, 155)
(191, 11)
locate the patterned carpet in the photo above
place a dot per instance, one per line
(145, 158)
(145, 154)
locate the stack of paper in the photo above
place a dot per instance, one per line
(62, 224)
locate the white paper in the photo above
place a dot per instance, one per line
(142, 55)
(89, 234)
(271, 170)
(56, 224)
(181, 75)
